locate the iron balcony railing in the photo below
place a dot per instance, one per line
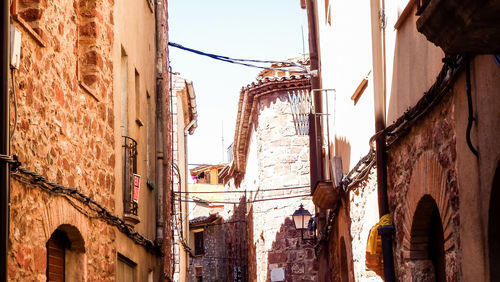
(310, 121)
(129, 170)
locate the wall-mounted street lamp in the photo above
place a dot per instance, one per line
(303, 220)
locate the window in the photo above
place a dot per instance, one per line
(328, 12)
(138, 114)
(199, 273)
(30, 14)
(129, 173)
(199, 249)
(56, 256)
(125, 269)
(89, 58)
(124, 92)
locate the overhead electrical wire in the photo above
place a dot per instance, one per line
(246, 191)
(242, 202)
(244, 62)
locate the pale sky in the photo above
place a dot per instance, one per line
(249, 29)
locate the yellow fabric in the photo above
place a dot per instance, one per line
(371, 246)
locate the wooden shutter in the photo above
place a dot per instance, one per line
(198, 243)
(56, 249)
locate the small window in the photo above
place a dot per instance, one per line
(328, 12)
(30, 15)
(360, 89)
(125, 269)
(199, 273)
(199, 249)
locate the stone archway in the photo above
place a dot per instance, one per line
(427, 256)
(66, 258)
(427, 221)
(494, 228)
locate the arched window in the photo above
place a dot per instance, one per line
(494, 228)
(427, 238)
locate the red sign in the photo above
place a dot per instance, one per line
(137, 188)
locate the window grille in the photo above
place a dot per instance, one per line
(129, 169)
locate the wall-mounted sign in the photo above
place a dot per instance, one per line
(278, 274)
(137, 187)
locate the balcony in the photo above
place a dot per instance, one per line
(461, 26)
(326, 194)
(130, 191)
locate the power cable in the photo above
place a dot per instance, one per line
(243, 62)
(247, 202)
(32, 178)
(246, 191)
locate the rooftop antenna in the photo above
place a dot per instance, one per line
(303, 43)
(222, 141)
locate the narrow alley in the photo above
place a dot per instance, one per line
(214, 141)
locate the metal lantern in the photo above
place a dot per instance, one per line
(301, 218)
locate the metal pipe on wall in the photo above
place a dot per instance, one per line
(159, 132)
(4, 139)
(379, 77)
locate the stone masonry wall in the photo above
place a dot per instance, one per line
(434, 137)
(364, 215)
(65, 134)
(293, 254)
(283, 160)
(213, 260)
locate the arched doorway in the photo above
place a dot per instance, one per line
(427, 252)
(66, 255)
(494, 228)
(56, 256)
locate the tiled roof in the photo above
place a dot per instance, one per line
(203, 220)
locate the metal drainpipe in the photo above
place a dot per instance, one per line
(186, 173)
(379, 77)
(160, 136)
(4, 140)
(172, 132)
(316, 141)
(317, 162)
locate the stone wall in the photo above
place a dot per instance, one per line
(283, 160)
(423, 163)
(364, 215)
(65, 133)
(225, 243)
(291, 253)
(213, 260)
